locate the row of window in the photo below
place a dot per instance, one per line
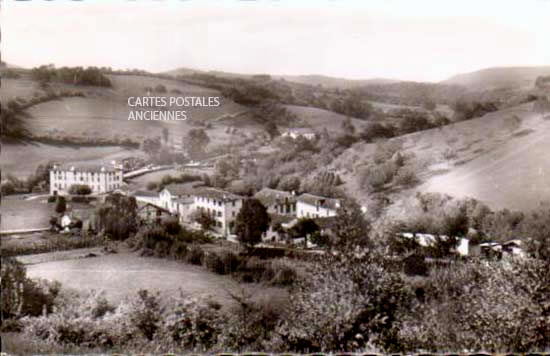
(213, 201)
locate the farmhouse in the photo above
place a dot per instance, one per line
(100, 178)
(146, 196)
(222, 206)
(277, 201)
(306, 133)
(151, 214)
(168, 197)
(313, 206)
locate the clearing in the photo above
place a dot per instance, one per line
(124, 274)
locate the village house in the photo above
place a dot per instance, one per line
(222, 206)
(152, 214)
(277, 201)
(100, 178)
(313, 206)
(146, 196)
(171, 195)
(306, 133)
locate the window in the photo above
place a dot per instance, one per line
(233, 214)
(219, 213)
(233, 203)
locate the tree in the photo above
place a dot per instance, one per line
(117, 217)
(303, 228)
(351, 230)
(203, 219)
(61, 205)
(151, 146)
(347, 127)
(196, 142)
(80, 189)
(251, 222)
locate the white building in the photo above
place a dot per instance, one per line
(306, 133)
(277, 201)
(169, 196)
(222, 206)
(146, 196)
(100, 178)
(313, 206)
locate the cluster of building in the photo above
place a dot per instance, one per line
(182, 200)
(465, 247)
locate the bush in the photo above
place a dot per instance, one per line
(405, 177)
(284, 273)
(415, 265)
(80, 189)
(214, 263)
(195, 255)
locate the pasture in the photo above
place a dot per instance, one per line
(124, 274)
(18, 213)
(319, 118)
(21, 160)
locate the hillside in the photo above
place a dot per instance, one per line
(504, 77)
(102, 114)
(333, 82)
(499, 158)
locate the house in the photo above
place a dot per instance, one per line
(152, 214)
(276, 225)
(222, 206)
(100, 178)
(184, 208)
(277, 201)
(314, 206)
(306, 133)
(171, 193)
(146, 196)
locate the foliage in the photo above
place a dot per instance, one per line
(80, 189)
(117, 217)
(61, 205)
(251, 222)
(195, 142)
(70, 75)
(206, 221)
(304, 227)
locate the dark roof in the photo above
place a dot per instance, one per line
(315, 200)
(85, 167)
(217, 194)
(154, 206)
(183, 188)
(187, 200)
(270, 197)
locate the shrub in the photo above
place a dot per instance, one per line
(146, 313)
(405, 177)
(415, 265)
(214, 263)
(80, 189)
(284, 273)
(194, 255)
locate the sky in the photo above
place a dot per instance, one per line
(421, 40)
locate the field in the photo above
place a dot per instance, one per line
(319, 118)
(21, 160)
(121, 275)
(25, 214)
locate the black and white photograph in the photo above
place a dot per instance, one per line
(275, 177)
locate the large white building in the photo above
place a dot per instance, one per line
(100, 178)
(313, 206)
(306, 133)
(222, 206)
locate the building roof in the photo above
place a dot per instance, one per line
(187, 200)
(217, 194)
(145, 193)
(85, 167)
(268, 196)
(140, 208)
(282, 219)
(323, 202)
(187, 188)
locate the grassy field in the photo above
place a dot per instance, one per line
(25, 214)
(121, 275)
(319, 118)
(21, 160)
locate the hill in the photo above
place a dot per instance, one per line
(501, 77)
(333, 82)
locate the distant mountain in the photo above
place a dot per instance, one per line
(499, 77)
(312, 79)
(334, 82)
